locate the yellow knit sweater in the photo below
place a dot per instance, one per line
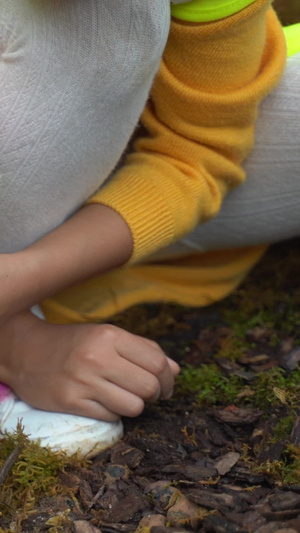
(200, 121)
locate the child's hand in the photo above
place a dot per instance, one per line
(98, 371)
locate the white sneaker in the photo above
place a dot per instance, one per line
(69, 433)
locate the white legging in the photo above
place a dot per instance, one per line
(74, 79)
(74, 76)
(266, 208)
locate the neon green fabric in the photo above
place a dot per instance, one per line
(292, 35)
(208, 10)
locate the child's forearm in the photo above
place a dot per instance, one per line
(93, 241)
(13, 281)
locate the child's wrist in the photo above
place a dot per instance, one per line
(17, 276)
(92, 242)
(12, 334)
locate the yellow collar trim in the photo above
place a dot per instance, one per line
(208, 10)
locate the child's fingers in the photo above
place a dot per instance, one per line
(127, 377)
(109, 404)
(148, 356)
(175, 368)
(118, 400)
(90, 409)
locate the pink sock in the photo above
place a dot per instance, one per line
(4, 391)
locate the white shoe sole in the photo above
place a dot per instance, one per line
(69, 433)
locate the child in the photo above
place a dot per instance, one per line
(220, 61)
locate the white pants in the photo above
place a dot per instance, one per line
(74, 76)
(74, 79)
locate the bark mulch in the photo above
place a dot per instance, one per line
(224, 454)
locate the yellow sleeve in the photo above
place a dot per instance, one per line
(200, 122)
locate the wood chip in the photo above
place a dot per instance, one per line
(9, 463)
(254, 359)
(118, 528)
(115, 472)
(185, 513)
(264, 367)
(291, 360)
(81, 526)
(259, 333)
(272, 453)
(197, 472)
(214, 500)
(281, 515)
(275, 527)
(161, 492)
(160, 529)
(244, 474)
(284, 501)
(228, 366)
(70, 480)
(226, 463)
(86, 493)
(152, 520)
(236, 416)
(295, 435)
(123, 454)
(124, 509)
(220, 524)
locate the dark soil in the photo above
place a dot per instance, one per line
(224, 454)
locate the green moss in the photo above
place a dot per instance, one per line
(210, 386)
(285, 318)
(58, 523)
(284, 471)
(283, 428)
(232, 347)
(268, 298)
(33, 474)
(268, 385)
(291, 467)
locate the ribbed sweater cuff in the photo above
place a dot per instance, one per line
(146, 213)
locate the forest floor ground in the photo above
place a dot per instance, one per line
(222, 456)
